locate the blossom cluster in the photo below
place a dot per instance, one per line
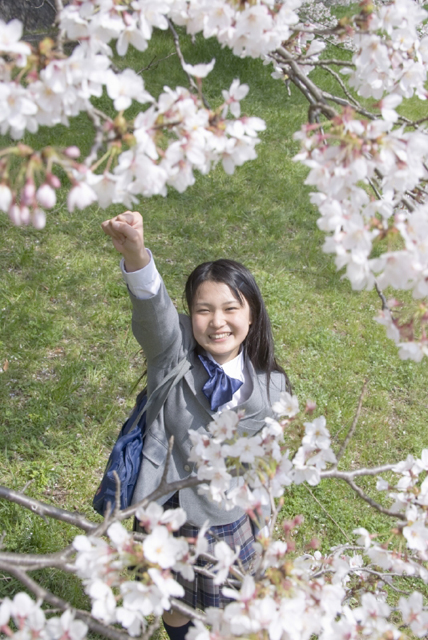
(101, 565)
(249, 470)
(344, 159)
(162, 147)
(30, 621)
(252, 29)
(390, 55)
(285, 596)
(410, 497)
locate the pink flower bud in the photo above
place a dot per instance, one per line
(28, 192)
(314, 543)
(46, 196)
(287, 526)
(15, 215)
(53, 180)
(72, 152)
(38, 218)
(19, 215)
(25, 214)
(310, 406)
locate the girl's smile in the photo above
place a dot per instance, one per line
(220, 322)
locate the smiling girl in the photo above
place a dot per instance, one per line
(227, 340)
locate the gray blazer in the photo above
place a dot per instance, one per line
(166, 338)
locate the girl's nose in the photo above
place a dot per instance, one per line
(217, 319)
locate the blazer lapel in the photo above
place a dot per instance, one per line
(196, 377)
(256, 407)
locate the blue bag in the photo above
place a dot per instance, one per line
(125, 459)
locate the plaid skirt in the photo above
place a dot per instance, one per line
(202, 592)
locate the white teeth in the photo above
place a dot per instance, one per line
(219, 336)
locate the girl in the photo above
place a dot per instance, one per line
(228, 341)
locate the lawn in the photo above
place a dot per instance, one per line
(70, 362)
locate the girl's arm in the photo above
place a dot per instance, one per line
(155, 320)
(127, 234)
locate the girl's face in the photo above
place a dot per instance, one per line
(220, 323)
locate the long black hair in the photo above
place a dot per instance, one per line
(258, 344)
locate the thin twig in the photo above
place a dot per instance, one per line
(345, 103)
(357, 473)
(382, 297)
(320, 63)
(375, 189)
(151, 64)
(327, 513)
(373, 503)
(183, 62)
(117, 495)
(98, 138)
(342, 85)
(354, 423)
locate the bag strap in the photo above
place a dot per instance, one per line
(160, 394)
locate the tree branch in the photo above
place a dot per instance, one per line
(382, 297)
(98, 138)
(342, 85)
(317, 94)
(183, 62)
(42, 509)
(354, 424)
(347, 478)
(154, 63)
(182, 608)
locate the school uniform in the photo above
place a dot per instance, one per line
(166, 338)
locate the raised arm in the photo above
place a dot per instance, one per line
(155, 322)
(127, 234)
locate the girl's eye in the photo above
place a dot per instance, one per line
(231, 308)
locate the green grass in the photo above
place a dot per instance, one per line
(65, 323)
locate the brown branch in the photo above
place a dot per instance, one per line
(342, 85)
(347, 478)
(345, 103)
(98, 138)
(357, 473)
(80, 521)
(153, 65)
(354, 423)
(382, 297)
(375, 189)
(319, 63)
(182, 608)
(36, 561)
(318, 96)
(162, 490)
(42, 509)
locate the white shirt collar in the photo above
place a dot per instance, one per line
(234, 368)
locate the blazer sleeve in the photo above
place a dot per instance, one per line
(164, 335)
